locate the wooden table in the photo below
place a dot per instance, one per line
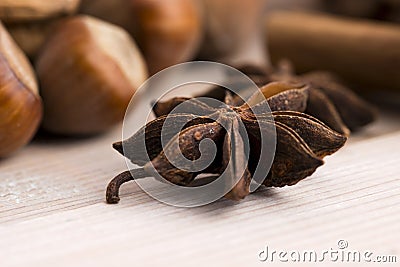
(52, 209)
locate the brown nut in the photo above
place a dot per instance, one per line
(88, 70)
(31, 10)
(20, 104)
(168, 32)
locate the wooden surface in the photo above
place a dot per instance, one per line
(52, 209)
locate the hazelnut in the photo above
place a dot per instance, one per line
(20, 104)
(168, 32)
(30, 10)
(88, 70)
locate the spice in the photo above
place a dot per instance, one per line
(302, 141)
(363, 52)
(329, 99)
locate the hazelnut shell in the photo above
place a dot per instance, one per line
(88, 70)
(20, 103)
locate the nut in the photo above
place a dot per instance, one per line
(168, 32)
(20, 104)
(88, 70)
(30, 10)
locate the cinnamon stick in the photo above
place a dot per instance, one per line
(364, 53)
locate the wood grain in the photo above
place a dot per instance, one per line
(52, 209)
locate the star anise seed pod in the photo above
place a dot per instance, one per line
(301, 140)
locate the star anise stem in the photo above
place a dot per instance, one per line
(112, 193)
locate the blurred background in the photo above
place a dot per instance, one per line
(71, 48)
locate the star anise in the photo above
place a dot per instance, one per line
(329, 99)
(301, 140)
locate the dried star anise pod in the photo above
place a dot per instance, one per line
(301, 140)
(329, 99)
